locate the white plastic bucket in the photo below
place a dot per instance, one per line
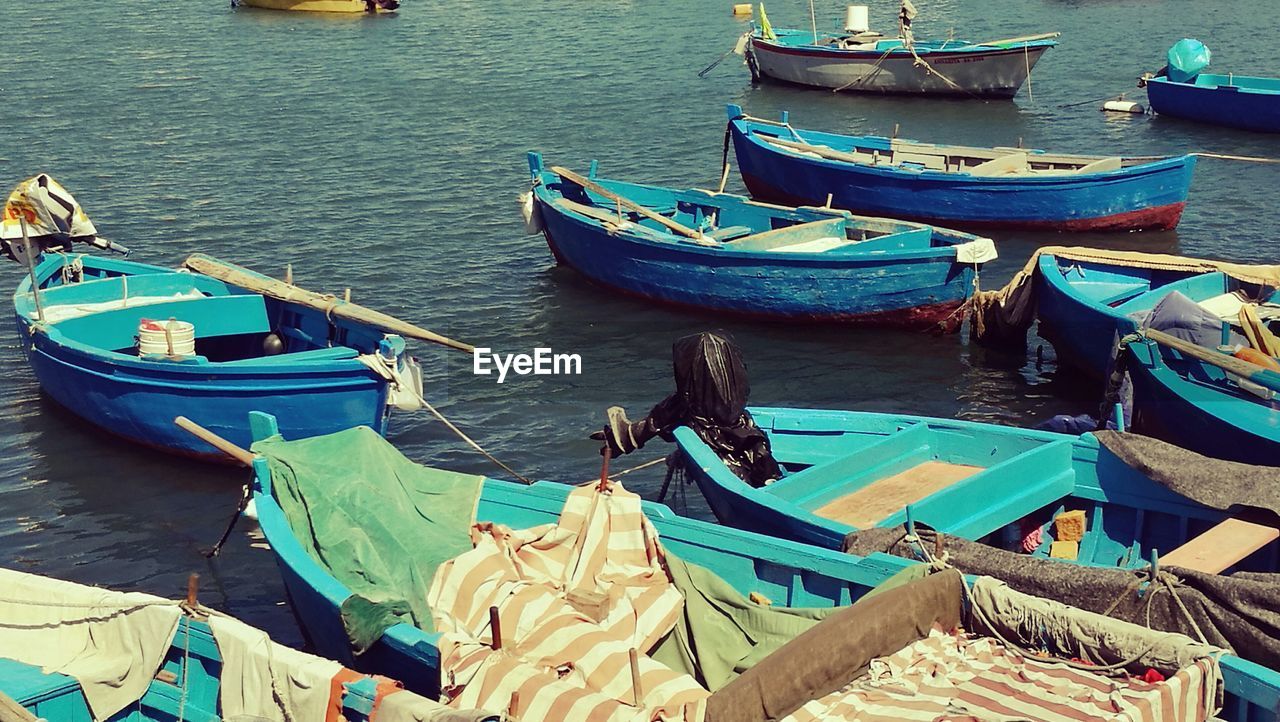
(856, 19)
(167, 338)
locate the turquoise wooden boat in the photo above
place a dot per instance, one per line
(1086, 307)
(188, 686)
(788, 573)
(850, 470)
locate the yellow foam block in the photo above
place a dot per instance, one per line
(1069, 525)
(1064, 549)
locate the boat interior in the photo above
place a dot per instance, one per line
(873, 41)
(102, 303)
(850, 470)
(1230, 81)
(912, 155)
(734, 223)
(1132, 292)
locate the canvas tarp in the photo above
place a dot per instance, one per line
(1237, 612)
(1218, 484)
(378, 522)
(112, 643)
(1004, 315)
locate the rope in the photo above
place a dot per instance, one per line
(624, 472)
(940, 563)
(875, 70)
(462, 435)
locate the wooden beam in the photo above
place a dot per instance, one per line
(1221, 547)
(1258, 374)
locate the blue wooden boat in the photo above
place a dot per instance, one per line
(726, 254)
(85, 354)
(785, 572)
(189, 682)
(1234, 101)
(850, 470)
(963, 186)
(1086, 307)
(868, 63)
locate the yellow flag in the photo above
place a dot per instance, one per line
(766, 30)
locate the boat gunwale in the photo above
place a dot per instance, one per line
(747, 130)
(949, 238)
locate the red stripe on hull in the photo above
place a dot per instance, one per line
(1158, 218)
(919, 317)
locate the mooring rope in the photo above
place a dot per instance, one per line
(472, 442)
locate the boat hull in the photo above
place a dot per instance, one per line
(140, 402)
(1149, 197)
(991, 74)
(910, 292)
(316, 6)
(1225, 105)
(1213, 422)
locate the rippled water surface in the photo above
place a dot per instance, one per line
(384, 154)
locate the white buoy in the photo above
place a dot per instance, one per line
(856, 19)
(1123, 106)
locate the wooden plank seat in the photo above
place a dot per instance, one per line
(878, 500)
(1221, 547)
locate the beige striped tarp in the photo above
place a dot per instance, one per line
(558, 661)
(955, 677)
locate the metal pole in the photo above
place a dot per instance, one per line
(813, 19)
(31, 268)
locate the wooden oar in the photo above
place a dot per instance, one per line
(825, 152)
(1009, 41)
(1255, 373)
(617, 198)
(267, 286)
(242, 455)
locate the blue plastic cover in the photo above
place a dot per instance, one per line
(1187, 58)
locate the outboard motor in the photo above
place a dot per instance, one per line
(53, 219)
(710, 398)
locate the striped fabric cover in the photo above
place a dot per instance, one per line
(959, 678)
(559, 662)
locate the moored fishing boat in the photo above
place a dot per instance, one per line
(859, 60)
(372, 7)
(1221, 402)
(460, 618)
(965, 186)
(1182, 90)
(72, 653)
(726, 254)
(127, 346)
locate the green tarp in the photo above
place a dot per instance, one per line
(378, 522)
(381, 525)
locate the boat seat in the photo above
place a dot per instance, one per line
(817, 245)
(1221, 547)
(1102, 165)
(728, 233)
(212, 316)
(880, 499)
(1012, 164)
(932, 162)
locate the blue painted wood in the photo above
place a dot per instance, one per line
(1142, 194)
(1084, 309)
(787, 572)
(1024, 474)
(89, 365)
(195, 664)
(1234, 101)
(904, 274)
